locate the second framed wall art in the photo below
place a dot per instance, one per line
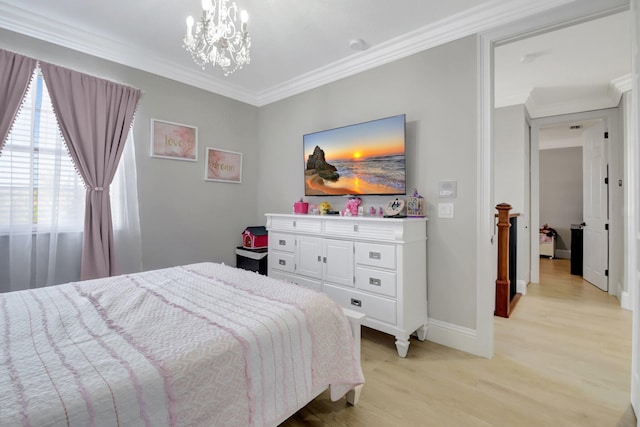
(223, 166)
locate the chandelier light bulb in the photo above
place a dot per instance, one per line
(206, 5)
(189, 23)
(244, 16)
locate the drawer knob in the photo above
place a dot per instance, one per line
(282, 242)
(374, 255)
(282, 262)
(375, 282)
(356, 302)
(319, 258)
(355, 228)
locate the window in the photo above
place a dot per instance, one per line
(40, 188)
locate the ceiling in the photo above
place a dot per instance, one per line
(577, 68)
(582, 67)
(299, 45)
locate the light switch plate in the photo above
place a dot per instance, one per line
(445, 210)
(447, 189)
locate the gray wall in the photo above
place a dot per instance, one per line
(183, 218)
(512, 145)
(437, 89)
(561, 191)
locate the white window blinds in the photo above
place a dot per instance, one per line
(39, 186)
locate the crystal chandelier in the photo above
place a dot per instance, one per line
(218, 37)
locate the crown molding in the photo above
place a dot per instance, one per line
(577, 104)
(623, 83)
(474, 20)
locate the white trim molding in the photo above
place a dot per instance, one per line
(625, 301)
(451, 335)
(623, 83)
(521, 287)
(595, 98)
(486, 253)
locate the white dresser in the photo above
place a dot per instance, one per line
(376, 266)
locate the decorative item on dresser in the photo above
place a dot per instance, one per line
(415, 205)
(394, 209)
(375, 266)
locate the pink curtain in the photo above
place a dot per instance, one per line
(94, 116)
(15, 75)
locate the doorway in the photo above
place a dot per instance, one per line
(601, 263)
(547, 100)
(559, 17)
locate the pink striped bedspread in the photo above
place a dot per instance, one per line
(198, 345)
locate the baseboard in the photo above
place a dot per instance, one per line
(625, 300)
(563, 253)
(521, 287)
(454, 336)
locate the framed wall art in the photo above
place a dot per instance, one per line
(223, 166)
(171, 140)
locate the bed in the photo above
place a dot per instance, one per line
(197, 345)
(548, 241)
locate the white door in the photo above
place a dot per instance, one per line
(337, 262)
(309, 256)
(595, 251)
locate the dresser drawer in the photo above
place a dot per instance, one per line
(341, 228)
(283, 261)
(298, 280)
(382, 256)
(308, 225)
(380, 231)
(374, 307)
(377, 281)
(284, 224)
(299, 224)
(282, 242)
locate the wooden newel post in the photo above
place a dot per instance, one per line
(503, 284)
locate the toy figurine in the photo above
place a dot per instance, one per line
(324, 207)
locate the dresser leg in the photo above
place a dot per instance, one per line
(402, 345)
(421, 332)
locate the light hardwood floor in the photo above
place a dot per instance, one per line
(563, 358)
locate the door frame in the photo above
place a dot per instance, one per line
(485, 250)
(632, 204)
(610, 116)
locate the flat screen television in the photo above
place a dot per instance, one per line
(361, 159)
